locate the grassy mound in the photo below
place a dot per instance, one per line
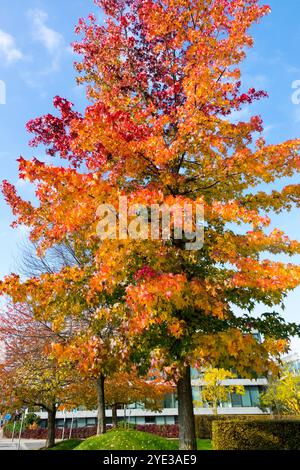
(204, 444)
(127, 440)
(68, 444)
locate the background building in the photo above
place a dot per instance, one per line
(247, 404)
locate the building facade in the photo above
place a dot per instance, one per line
(247, 404)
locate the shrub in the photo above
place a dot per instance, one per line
(256, 434)
(41, 433)
(204, 422)
(164, 430)
(167, 430)
(126, 425)
(31, 420)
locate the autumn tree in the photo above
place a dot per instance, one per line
(30, 376)
(126, 388)
(282, 394)
(215, 390)
(84, 336)
(163, 79)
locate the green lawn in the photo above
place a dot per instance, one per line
(68, 444)
(204, 444)
(135, 440)
(126, 440)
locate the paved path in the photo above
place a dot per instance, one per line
(6, 444)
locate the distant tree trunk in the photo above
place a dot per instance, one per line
(51, 427)
(215, 408)
(114, 409)
(187, 431)
(101, 425)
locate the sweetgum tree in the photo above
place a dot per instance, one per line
(163, 78)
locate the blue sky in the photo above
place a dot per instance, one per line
(36, 64)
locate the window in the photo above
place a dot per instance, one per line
(246, 398)
(140, 420)
(195, 374)
(160, 420)
(81, 422)
(196, 395)
(254, 392)
(169, 401)
(91, 422)
(68, 423)
(236, 400)
(150, 419)
(170, 420)
(60, 423)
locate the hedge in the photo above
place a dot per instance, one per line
(164, 430)
(167, 430)
(41, 433)
(204, 422)
(256, 434)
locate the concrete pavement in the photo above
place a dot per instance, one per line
(25, 444)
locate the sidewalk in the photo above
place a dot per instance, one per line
(25, 444)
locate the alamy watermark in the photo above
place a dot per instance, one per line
(296, 94)
(182, 224)
(2, 92)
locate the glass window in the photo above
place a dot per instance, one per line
(169, 401)
(170, 420)
(140, 420)
(254, 392)
(91, 422)
(138, 406)
(160, 420)
(246, 398)
(81, 422)
(236, 399)
(150, 419)
(68, 423)
(196, 395)
(195, 373)
(227, 403)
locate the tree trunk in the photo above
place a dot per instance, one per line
(114, 409)
(101, 425)
(187, 431)
(51, 427)
(215, 408)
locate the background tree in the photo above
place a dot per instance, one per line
(87, 332)
(30, 376)
(282, 395)
(126, 388)
(163, 79)
(215, 390)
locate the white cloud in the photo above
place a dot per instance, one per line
(269, 128)
(51, 39)
(241, 115)
(8, 50)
